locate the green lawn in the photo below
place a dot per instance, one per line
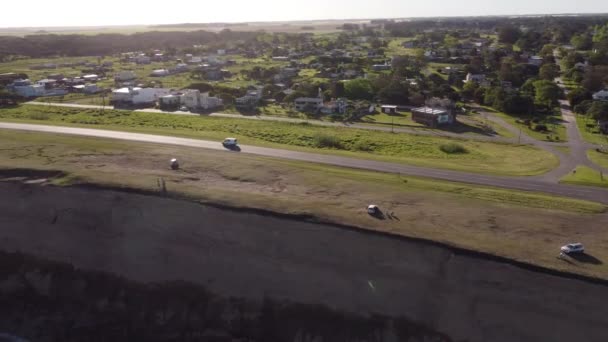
(482, 157)
(467, 124)
(586, 176)
(280, 111)
(590, 131)
(93, 99)
(557, 131)
(395, 47)
(598, 158)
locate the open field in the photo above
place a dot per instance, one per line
(522, 225)
(557, 131)
(395, 48)
(481, 157)
(467, 124)
(598, 158)
(590, 132)
(96, 100)
(586, 176)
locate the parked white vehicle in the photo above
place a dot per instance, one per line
(372, 209)
(573, 248)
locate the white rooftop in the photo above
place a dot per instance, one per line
(429, 110)
(126, 90)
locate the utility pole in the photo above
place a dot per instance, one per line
(519, 137)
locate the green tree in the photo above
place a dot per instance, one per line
(581, 41)
(598, 110)
(358, 89)
(595, 78)
(508, 34)
(578, 95)
(547, 50)
(548, 71)
(546, 93)
(468, 90)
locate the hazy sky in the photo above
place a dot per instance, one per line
(127, 12)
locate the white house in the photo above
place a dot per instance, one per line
(601, 95)
(308, 103)
(139, 96)
(160, 73)
(194, 99)
(125, 76)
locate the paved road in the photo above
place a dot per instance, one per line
(372, 127)
(518, 183)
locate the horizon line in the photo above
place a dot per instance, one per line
(310, 20)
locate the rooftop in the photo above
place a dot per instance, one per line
(429, 110)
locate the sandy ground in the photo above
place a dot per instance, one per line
(244, 254)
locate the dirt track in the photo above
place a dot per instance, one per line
(243, 254)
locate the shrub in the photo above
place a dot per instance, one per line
(540, 128)
(363, 146)
(453, 148)
(38, 116)
(326, 140)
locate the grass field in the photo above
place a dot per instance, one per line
(482, 157)
(586, 176)
(590, 131)
(395, 48)
(474, 125)
(557, 131)
(93, 99)
(598, 158)
(522, 225)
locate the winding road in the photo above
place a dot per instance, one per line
(537, 184)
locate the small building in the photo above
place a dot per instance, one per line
(281, 59)
(91, 78)
(160, 73)
(335, 106)
(381, 67)
(143, 59)
(432, 117)
(535, 60)
(477, 78)
(308, 104)
(194, 99)
(250, 100)
(138, 96)
(47, 83)
(86, 88)
(30, 90)
(124, 76)
(389, 109)
(601, 95)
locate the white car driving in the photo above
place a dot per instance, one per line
(573, 248)
(230, 142)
